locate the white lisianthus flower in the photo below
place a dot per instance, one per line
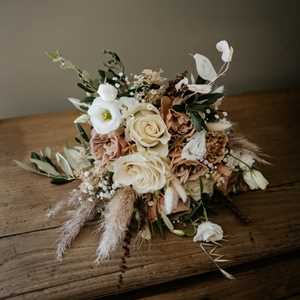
(255, 179)
(195, 149)
(145, 172)
(147, 129)
(226, 50)
(107, 92)
(104, 115)
(220, 125)
(127, 103)
(208, 232)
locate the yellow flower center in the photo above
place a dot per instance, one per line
(106, 115)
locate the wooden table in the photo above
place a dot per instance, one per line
(264, 255)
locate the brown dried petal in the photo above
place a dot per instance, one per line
(215, 146)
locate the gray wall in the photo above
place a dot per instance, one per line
(156, 33)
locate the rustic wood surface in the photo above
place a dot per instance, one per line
(28, 269)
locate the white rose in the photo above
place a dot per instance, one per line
(107, 92)
(145, 172)
(104, 115)
(208, 232)
(147, 129)
(195, 149)
(255, 179)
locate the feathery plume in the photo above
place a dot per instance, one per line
(72, 227)
(117, 216)
(240, 143)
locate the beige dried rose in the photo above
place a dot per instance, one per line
(106, 147)
(145, 172)
(222, 177)
(179, 123)
(185, 169)
(147, 129)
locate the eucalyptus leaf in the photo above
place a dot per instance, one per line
(76, 161)
(82, 119)
(48, 152)
(82, 133)
(60, 180)
(197, 121)
(64, 165)
(27, 166)
(83, 107)
(45, 167)
(179, 232)
(167, 221)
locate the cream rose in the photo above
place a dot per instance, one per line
(145, 172)
(147, 129)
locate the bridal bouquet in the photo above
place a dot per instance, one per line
(152, 155)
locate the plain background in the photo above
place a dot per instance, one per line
(146, 34)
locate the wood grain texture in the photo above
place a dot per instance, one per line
(28, 269)
(268, 279)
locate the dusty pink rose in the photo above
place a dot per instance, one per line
(179, 124)
(106, 147)
(185, 169)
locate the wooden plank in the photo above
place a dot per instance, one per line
(28, 269)
(276, 278)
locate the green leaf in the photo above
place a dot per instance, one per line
(45, 167)
(82, 133)
(35, 155)
(54, 56)
(85, 88)
(64, 165)
(48, 152)
(61, 180)
(102, 75)
(27, 166)
(208, 99)
(166, 220)
(197, 121)
(82, 119)
(179, 107)
(83, 107)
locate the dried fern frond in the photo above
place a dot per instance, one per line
(240, 143)
(215, 259)
(117, 216)
(73, 226)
